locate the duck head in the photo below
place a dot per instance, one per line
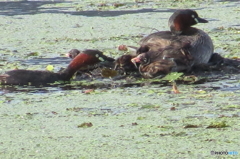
(95, 53)
(148, 57)
(182, 20)
(73, 53)
(142, 59)
(150, 68)
(85, 60)
(124, 64)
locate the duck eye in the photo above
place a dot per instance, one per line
(195, 19)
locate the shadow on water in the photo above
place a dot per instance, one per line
(26, 7)
(116, 12)
(46, 61)
(30, 7)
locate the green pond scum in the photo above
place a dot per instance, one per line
(106, 118)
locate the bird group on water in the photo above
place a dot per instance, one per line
(177, 50)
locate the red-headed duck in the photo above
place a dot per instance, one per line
(36, 77)
(181, 33)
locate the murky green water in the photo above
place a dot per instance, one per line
(142, 121)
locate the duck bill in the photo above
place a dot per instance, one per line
(135, 64)
(201, 20)
(116, 66)
(68, 55)
(135, 61)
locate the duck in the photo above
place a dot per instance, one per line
(72, 53)
(164, 61)
(181, 33)
(124, 64)
(38, 77)
(106, 61)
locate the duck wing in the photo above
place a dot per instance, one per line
(165, 60)
(161, 40)
(157, 68)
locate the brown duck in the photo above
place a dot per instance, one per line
(164, 61)
(35, 77)
(180, 34)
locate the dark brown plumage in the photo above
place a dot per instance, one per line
(124, 65)
(161, 62)
(180, 34)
